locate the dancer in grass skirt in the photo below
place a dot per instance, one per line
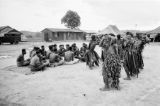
(92, 58)
(104, 43)
(111, 67)
(130, 57)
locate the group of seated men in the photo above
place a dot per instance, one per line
(40, 58)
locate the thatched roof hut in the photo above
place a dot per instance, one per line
(110, 29)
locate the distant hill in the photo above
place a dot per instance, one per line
(133, 31)
(90, 31)
(29, 33)
(31, 36)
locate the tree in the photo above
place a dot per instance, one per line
(71, 19)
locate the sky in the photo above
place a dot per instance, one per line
(35, 15)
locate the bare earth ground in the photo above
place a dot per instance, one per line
(76, 85)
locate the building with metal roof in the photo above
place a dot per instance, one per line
(57, 34)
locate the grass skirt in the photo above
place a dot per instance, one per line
(91, 58)
(111, 70)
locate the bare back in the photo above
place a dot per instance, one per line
(68, 56)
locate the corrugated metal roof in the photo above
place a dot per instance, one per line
(63, 30)
(3, 27)
(6, 29)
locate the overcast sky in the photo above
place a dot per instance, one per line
(35, 15)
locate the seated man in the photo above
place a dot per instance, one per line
(61, 50)
(67, 47)
(20, 60)
(83, 51)
(55, 59)
(43, 51)
(33, 52)
(49, 51)
(75, 50)
(55, 50)
(69, 57)
(36, 64)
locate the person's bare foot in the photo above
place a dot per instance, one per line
(90, 68)
(127, 78)
(118, 87)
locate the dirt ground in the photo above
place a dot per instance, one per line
(76, 85)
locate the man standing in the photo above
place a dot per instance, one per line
(104, 43)
(129, 63)
(20, 60)
(119, 42)
(92, 58)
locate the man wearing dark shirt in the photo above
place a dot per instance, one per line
(20, 60)
(43, 51)
(61, 50)
(75, 50)
(55, 48)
